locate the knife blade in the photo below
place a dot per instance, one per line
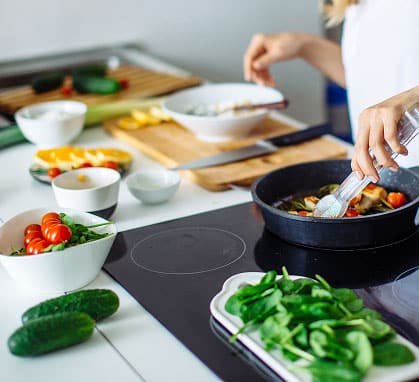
(261, 147)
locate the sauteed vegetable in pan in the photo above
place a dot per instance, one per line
(372, 199)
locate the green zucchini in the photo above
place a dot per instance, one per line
(47, 82)
(97, 303)
(98, 70)
(51, 333)
(96, 85)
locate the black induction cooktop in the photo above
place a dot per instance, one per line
(174, 269)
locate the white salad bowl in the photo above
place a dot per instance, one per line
(51, 124)
(54, 272)
(222, 127)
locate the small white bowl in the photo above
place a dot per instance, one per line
(54, 272)
(222, 127)
(90, 189)
(51, 124)
(153, 186)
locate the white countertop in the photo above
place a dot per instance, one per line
(131, 345)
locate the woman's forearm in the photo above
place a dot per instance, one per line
(325, 56)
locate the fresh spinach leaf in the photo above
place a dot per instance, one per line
(233, 305)
(392, 354)
(260, 307)
(326, 371)
(358, 342)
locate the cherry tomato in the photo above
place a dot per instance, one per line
(40, 246)
(32, 228)
(124, 82)
(371, 186)
(48, 226)
(32, 235)
(66, 90)
(59, 233)
(396, 199)
(50, 216)
(303, 213)
(111, 164)
(53, 172)
(30, 248)
(86, 164)
(351, 213)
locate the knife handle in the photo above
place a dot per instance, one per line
(301, 136)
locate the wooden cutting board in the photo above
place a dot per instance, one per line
(171, 144)
(142, 83)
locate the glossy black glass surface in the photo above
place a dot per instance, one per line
(175, 268)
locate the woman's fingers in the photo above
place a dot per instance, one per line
(390, 120)
(255, 49)
(378, 131)
(263, 77)
(264, 60)
(257, 59)
(377, 135)
(362, 159)
(377, 144)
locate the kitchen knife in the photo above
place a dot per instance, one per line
(261, 147)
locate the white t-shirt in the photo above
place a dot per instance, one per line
(380, 48)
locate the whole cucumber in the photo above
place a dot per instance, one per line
(51, 333)
(97, 303)
(47, 82)
(98, 70)
(96, 85)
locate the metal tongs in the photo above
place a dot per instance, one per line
(336, 204)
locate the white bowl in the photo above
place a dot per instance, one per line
(54, 272)
(153, 186)
(90, 189)
(51, 124)
(222, 127)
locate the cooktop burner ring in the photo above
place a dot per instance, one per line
(152, 253)
(405, 289)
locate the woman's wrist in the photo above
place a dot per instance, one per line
(409, 98)
(415, 94)
(307, 42)
(323, 54)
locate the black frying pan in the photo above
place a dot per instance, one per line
(364, 231)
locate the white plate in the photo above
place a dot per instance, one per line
(275, 360)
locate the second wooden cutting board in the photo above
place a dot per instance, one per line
(171, 144)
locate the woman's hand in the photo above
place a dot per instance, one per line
(266, 49)
(377, 126)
